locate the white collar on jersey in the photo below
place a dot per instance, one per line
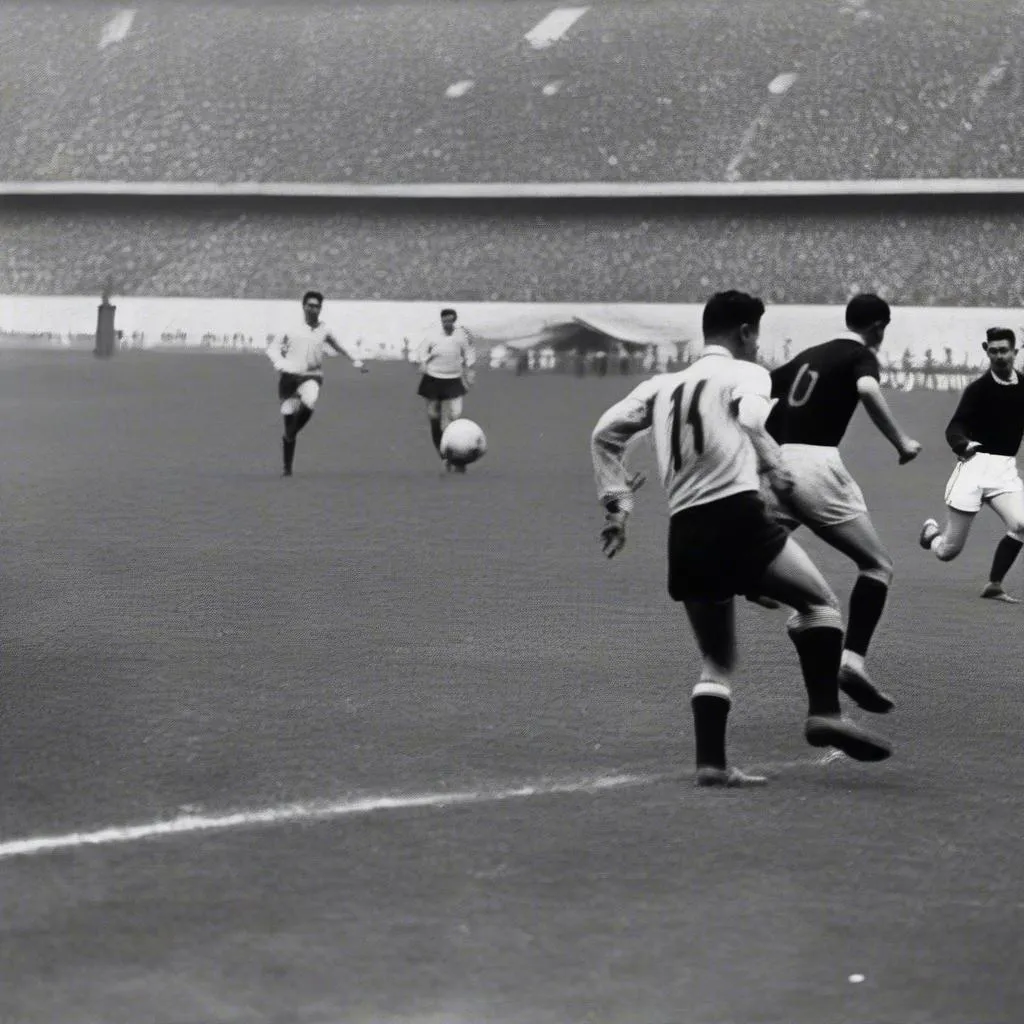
(1005, 383)
(716, 350)
(850, 336)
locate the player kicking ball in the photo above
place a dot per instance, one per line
(985, 434)
(707, 423)
(298, 357)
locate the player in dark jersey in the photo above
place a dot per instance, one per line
(818, 392)
(985, 434)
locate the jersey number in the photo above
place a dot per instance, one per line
(692, 417)
(809, 378)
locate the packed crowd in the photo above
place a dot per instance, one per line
(632, 253)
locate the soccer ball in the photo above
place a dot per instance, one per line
(463, 442)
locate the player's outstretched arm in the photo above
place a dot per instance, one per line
(275, 352)
(343, 350)
(468, 359)
(874, 402)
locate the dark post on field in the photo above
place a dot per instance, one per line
(106, 339)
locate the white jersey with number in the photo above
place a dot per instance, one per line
(302, 349)
(703, 452)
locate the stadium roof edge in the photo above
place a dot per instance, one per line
(518, 190)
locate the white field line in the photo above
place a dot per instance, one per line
(549, 30)
(117, 29)
(315, 811)
(329, 810)
(611, 190)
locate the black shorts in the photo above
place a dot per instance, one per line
(440, 389)
(721, 549)
(289, 383)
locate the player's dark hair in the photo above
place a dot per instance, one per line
(449, 312)
(863, 311)
(1001, 334)
(728, 311)
(313, 295)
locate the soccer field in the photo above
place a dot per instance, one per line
(187, 636)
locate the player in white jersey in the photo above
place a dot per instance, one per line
(707, 423)
(447, 358)
(298, 357)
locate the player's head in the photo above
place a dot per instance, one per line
(448, 318)
(1000, 346)
(868, 315)
(312, 303)
(733, 319)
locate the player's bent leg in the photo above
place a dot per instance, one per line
(858, 540)
(451, 410)
(714, 625)
(308, 393)
(289, 411)
(434, 416)
(793, 579)
(816, 630)
(1009, 506)
(948, 542)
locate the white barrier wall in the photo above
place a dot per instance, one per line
(379, 329)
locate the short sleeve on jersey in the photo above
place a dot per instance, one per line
(865, 364)
(644, 392)
(751, 379)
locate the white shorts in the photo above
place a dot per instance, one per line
(825, 494)
(980, 478)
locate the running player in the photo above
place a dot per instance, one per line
(985, 434)
(447, 359)
(818, 392)
(298, 358)
(708, 427)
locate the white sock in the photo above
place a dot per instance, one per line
(853, 661)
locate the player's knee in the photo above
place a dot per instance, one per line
(946, 550)
(434, 410)
(1015, 529)
(290, 406)
(881, 570)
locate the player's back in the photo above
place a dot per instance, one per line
(817, 392)
(703, 452)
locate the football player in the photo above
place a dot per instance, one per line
(707, 423)
(985, 435)
(298, 358)
(818, 392)
(446, 357)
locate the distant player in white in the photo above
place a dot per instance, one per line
(447, 358)
(707, 423)
(298, 357)
(985, 434)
